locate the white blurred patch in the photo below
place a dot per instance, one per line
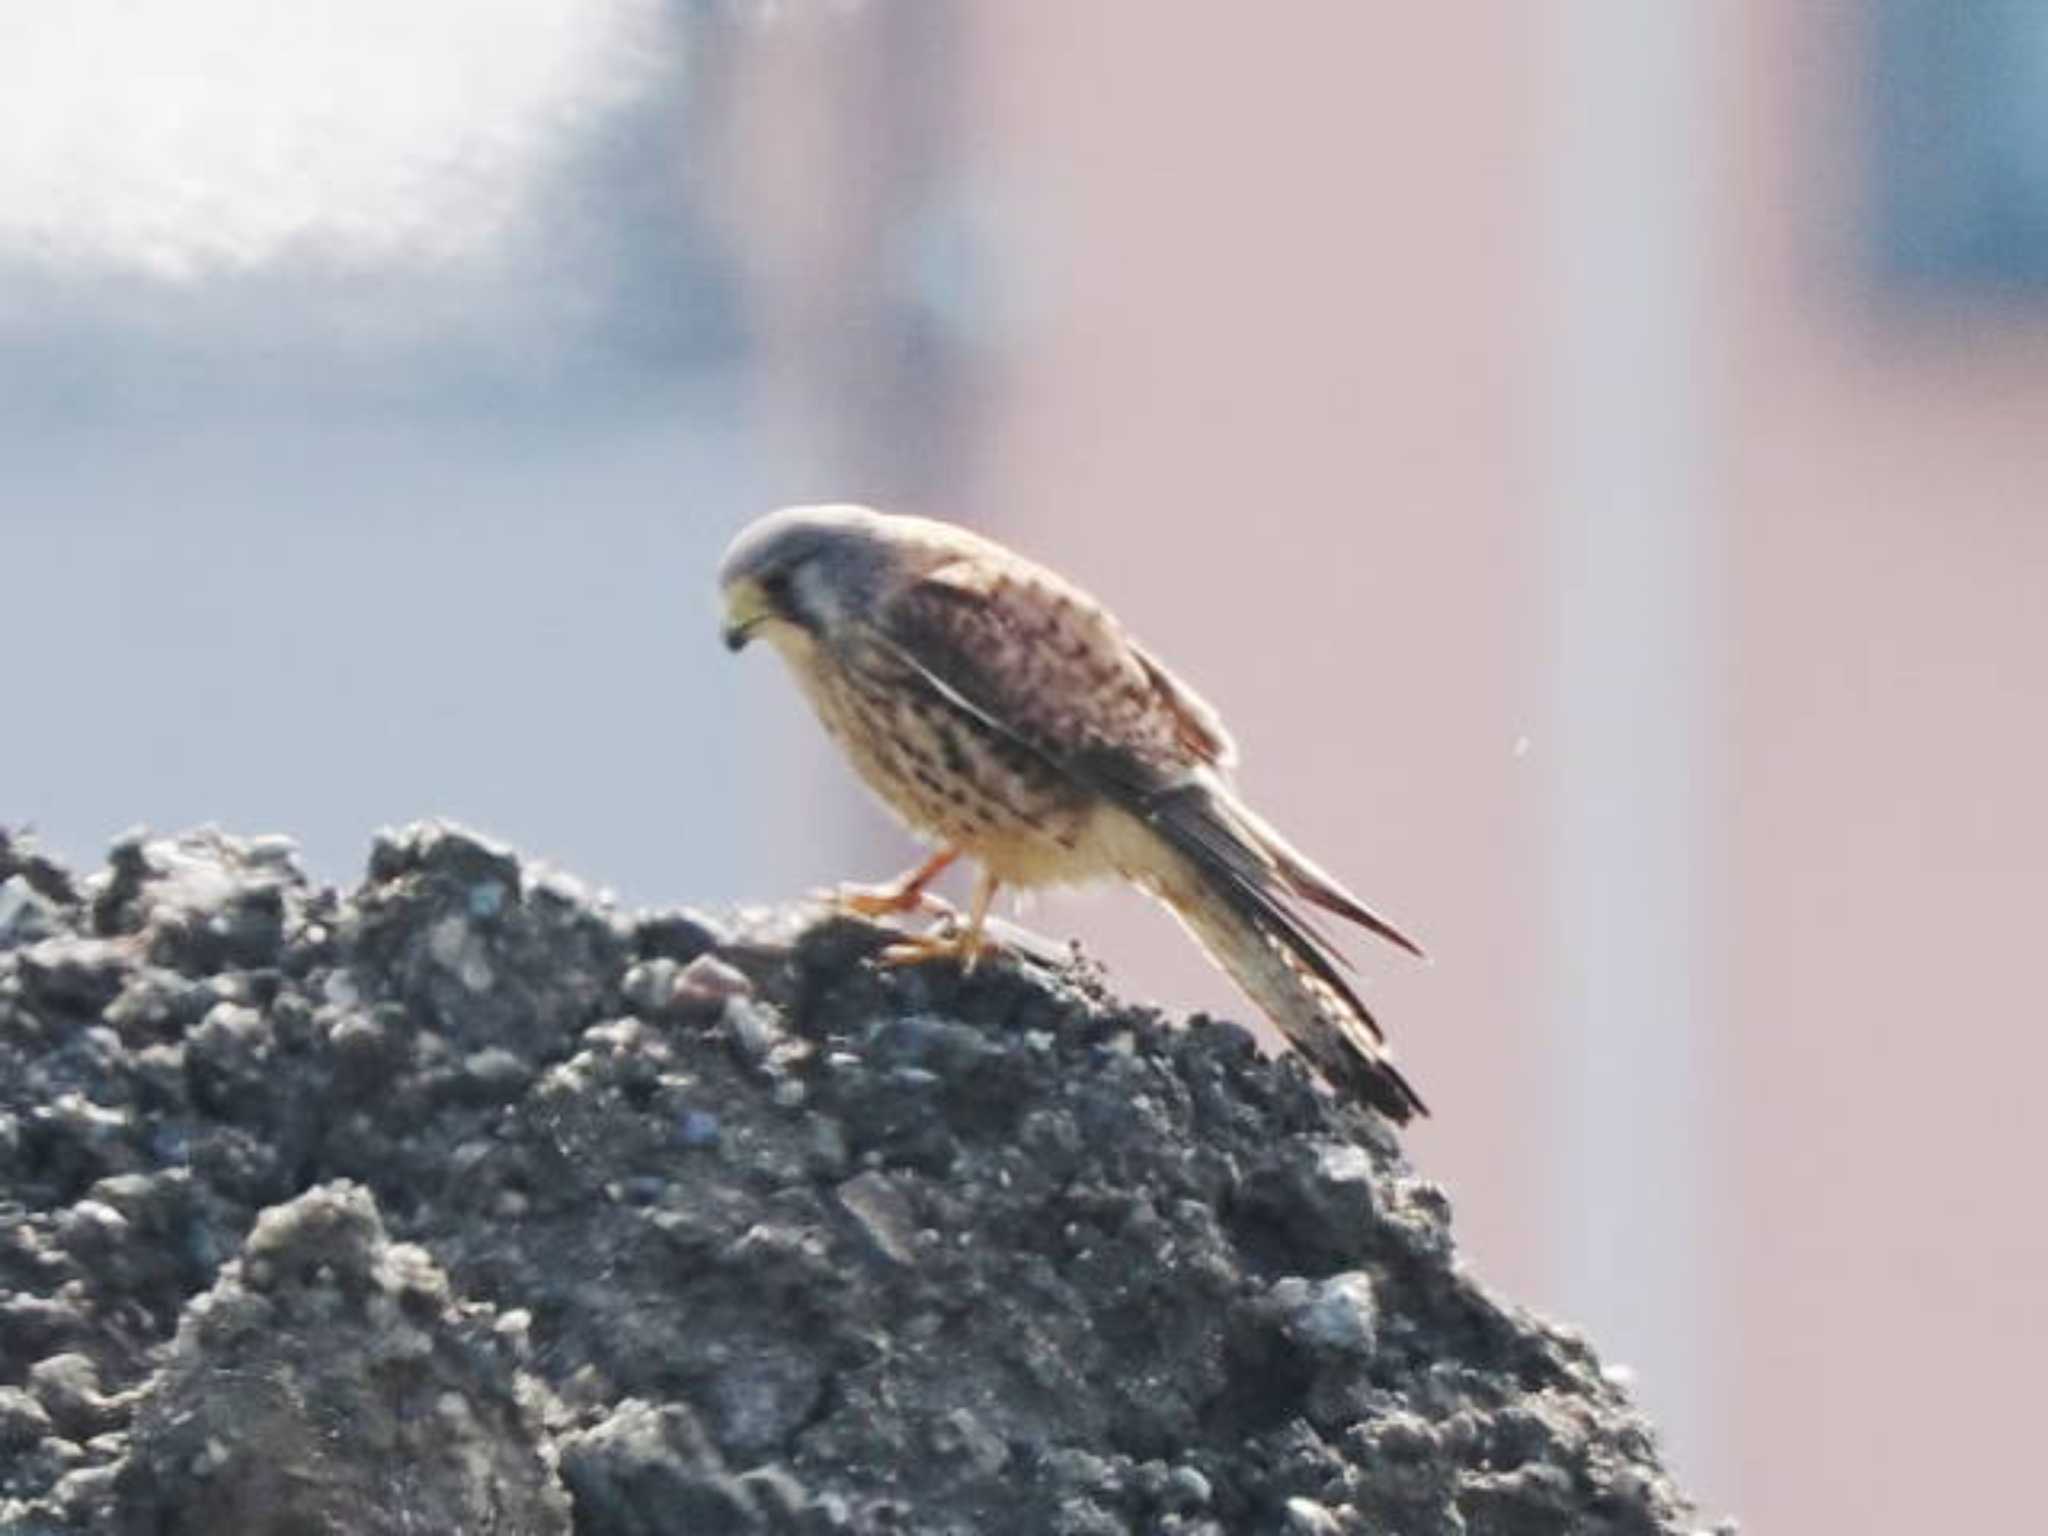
(174, 138)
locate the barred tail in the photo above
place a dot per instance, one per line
(1227, 880)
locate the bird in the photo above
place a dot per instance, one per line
(1006, 717)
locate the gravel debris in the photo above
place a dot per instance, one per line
(462, 1200)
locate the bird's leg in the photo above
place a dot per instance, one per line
(964, 944)
(903, 894)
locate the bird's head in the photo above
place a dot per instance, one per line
(804, 571)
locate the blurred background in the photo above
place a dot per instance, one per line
(1594, 453)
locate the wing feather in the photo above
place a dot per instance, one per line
(1200, 727)
(1041, 663)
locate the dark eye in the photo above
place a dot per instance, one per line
(775, 586)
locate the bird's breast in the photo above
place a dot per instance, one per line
(953, 777)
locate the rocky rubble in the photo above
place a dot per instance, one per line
(465, 1202)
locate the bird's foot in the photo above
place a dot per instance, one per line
(906, 893)
(893, 900)
(964, 945)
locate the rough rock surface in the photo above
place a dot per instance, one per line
(465, 1202)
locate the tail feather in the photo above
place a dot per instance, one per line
(1312, 884)
(1229, 885)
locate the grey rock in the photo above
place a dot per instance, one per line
(26, 914)
(1085, 1517)
(79, 976)
(962, 1434)
(24, 1422)
(647, 1470)
(1305, 1517)
(883, 1213)
(19, 855)
(1186, 1488)
(227, 1055)
(767, 1392)
(1337, 1313)
(68, 1388)
(708, 979)
(697, 1128)
(650, 986)
(494, 1075)
(323, 1322)
(776, 1493)
(755, 1027)
(677, 934)
(708, 1218)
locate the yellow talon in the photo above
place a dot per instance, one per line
(906, 894)
(964, 944)
(928, 947)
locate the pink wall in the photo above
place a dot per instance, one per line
(1887, 484)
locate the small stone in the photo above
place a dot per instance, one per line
(1338, 1313)
(776, 1491)
(91, 1231)
(1343, 1163)
(364, 1049)
(974, 1442)
(648, 1468)
(827, 1513)
(1085, 1517)
(495, 1074)
(710, 979)
(445, 940)
(442, 848)
(650, 986)
(78, 975)
(1319, 1194)
(68, 1387)
(697, 1128)
(755, 1027)
(23, 1421)
(26, 915)
(457, 947)
(1305, 1517)
(1074, 1470)
(676, 934)
(515, 1329)
(1187, 1488)
(828, 1152)
(883, 1213)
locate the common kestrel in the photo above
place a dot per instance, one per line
(1006, 716)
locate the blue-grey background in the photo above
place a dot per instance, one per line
(381, 383)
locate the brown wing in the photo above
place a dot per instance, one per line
(1039, 660)
(1200, 727)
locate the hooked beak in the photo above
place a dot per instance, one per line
(746, 610)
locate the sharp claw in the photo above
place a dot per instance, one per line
(965, 948)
